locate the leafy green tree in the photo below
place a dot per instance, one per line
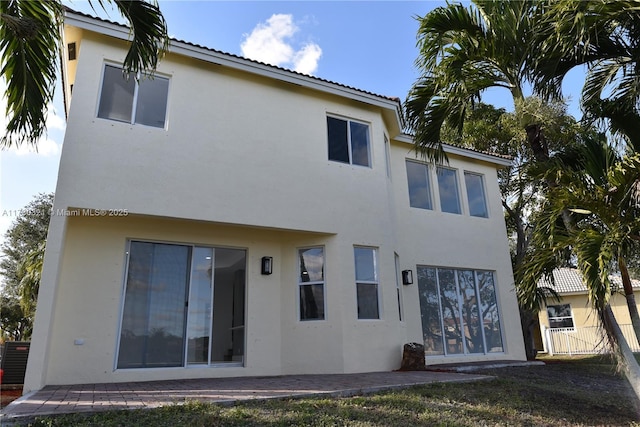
(30, 271)
(21, 263)
(30, 44)
(14, 324)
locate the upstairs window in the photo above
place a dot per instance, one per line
(448, 186)
(419, 185)
(348, 142)
(475, 195)
(129, 101)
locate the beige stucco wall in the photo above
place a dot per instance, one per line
(440, 239)
(243, 163)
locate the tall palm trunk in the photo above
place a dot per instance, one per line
(621, 350)
(528, 322)
(631, 299)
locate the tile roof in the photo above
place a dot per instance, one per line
(569, 280)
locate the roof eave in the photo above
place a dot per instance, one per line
(464, 152)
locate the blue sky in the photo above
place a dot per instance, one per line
(370, 45)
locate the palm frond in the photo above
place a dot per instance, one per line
(600, 75)
(149, 35)
(444, 27)
(620, 116)
(29, 38)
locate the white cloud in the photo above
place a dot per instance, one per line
(306, 59)
(46, 146)
(271, 42)
(55, 121)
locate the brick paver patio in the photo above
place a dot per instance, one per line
(101, 397)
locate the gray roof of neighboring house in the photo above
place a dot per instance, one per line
(569, 281)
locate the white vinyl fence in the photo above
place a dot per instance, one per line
(589, 340)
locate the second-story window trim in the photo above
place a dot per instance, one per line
(449, 190)
(476, 194)
(142, 101)
(349, 141)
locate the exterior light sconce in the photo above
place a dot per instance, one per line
(266, 265)
(407, 277)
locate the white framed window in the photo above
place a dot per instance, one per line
(183, 305)
(399, 287)
(311, 292)
(366, 265)
(448, 190)
(348, 141)
(135, 102)
(560, 316)
(419, 185)
(476, 194)
(459, 311)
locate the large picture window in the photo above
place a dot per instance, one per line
(182, 300)
(459, 311)
(311, 283)
(348, 141)
(130, 101)
(367, 283)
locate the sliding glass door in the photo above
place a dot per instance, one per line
(183, 305)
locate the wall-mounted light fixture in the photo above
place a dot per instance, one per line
(266, 265)
(407, 277)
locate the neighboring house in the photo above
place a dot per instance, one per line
(571, 325)
(231, 218)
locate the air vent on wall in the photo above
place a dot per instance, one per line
(72, 51)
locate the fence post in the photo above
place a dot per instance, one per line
(547, 336)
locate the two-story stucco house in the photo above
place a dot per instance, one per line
(231, 218)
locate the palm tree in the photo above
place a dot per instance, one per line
(603, 35)
(495, 130)
(30, 44)
(465, 51)
(603, 197)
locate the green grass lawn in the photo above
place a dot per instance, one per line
(565, 392)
